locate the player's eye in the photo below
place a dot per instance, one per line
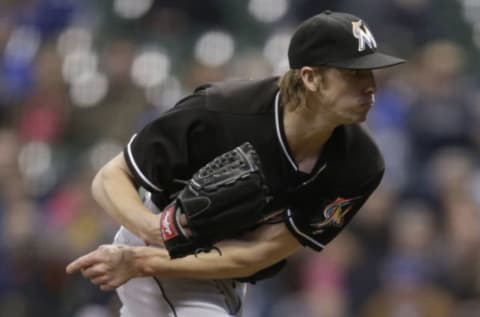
(352, 72)
(359, 72)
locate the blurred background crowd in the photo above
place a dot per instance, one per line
(77, 78)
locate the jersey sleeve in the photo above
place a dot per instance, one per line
(316, 226)
(158, 154)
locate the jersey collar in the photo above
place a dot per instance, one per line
(335, 148)
(281, 133)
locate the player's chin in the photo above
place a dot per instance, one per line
(357, 117)
(362, 113)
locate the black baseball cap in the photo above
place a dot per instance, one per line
(339, 40)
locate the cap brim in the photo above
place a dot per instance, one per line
(370, 61)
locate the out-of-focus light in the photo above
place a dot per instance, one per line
(79, 64)
(89, 89)
(164, 96)
(103, 152)
(35, 164)
(275, 52)
(131, 9)
(34, 159)
(470, 3)
(281, 68)
(74, 39)
(476, 34)
(471, 10)
(268, 11)
(471, 14)
(214, 48)
(23, 44)
(476, 187)
(150, 68)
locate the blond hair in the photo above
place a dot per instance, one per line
(292, 88)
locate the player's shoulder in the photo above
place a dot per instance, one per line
(230, 96)
(240, 96)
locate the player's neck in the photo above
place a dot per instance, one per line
(305, 135)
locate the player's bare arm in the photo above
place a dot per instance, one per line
(115, 191)
(112, 265)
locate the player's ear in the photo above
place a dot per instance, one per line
(311, 78)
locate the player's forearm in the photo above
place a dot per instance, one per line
(238, 258)
(115, 192)
(156, 262)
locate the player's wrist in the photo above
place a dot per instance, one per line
(144, 259)
(126, 259)
(150, 230)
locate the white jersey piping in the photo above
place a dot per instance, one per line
(137, 169)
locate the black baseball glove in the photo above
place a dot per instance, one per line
(224, 198)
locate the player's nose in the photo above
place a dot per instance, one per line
(369, 84)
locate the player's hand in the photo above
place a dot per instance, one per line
(109, 266)
(153, 235)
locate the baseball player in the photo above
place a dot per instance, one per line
(305, 145)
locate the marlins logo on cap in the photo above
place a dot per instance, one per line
(362, 33)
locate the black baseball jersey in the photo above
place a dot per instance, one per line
(216, 118)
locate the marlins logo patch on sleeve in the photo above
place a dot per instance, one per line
(334, 214)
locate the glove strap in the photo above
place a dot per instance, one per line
(170, 227)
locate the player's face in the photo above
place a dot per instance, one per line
(347, 95)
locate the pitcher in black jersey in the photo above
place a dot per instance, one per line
(319, 162)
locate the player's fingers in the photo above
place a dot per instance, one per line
(184, 224)
(100, 280)
(81, 262)
(94, 271)
(107, 287)
(183, 220)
